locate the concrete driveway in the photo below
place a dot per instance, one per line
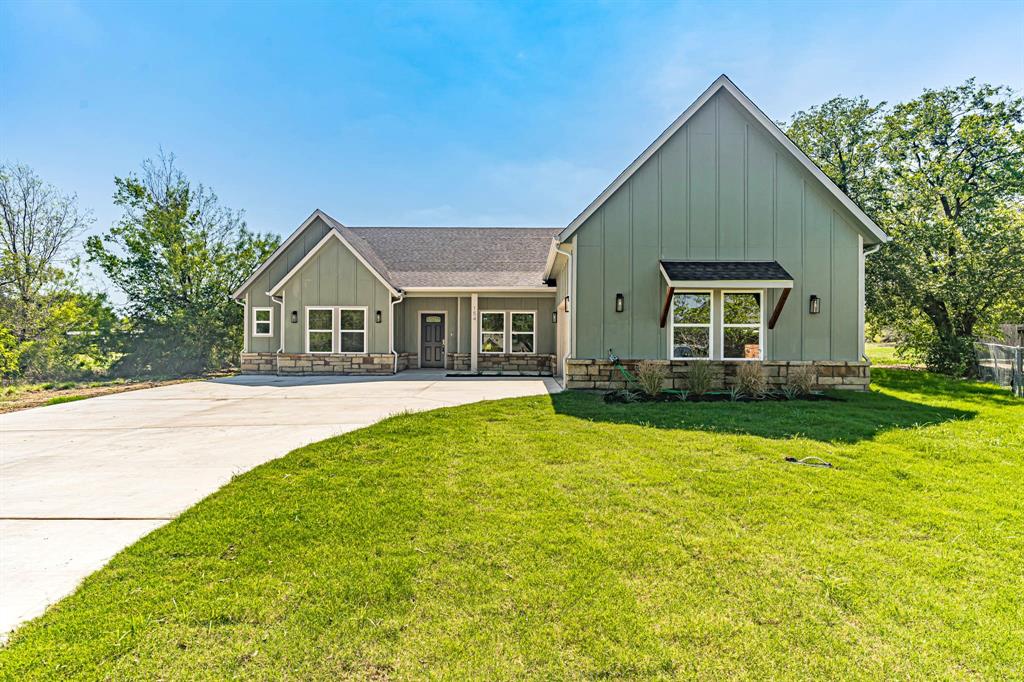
(82, 480)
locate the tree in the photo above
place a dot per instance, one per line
(37, 223)
(49, 328)
(842, 136)
(943, 174)
(953, 164)
(177, 254)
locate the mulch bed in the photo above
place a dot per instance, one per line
(639, 397)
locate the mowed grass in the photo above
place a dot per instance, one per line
(559, 537)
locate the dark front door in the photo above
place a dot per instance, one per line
(432, 340)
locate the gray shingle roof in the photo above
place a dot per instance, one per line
(703, 271)
(486, 257)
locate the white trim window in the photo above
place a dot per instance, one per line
(319, 329)
(352, 329)
(492, 332)
(692, 324)
(523, 330)
(742, 325)
(262, 322)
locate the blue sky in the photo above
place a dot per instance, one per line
(439, 114)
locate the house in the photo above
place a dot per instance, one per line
(721, 241)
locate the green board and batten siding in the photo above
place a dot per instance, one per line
(281, 266)
(719, 189)
(333, 277)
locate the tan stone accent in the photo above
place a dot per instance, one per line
(601, 374)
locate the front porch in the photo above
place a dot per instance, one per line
(486, 332)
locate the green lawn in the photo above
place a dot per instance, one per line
(884, 355)
(559, 537)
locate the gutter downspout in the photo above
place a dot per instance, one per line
(245, 323)
(568, 321)
(864, 254)
(279, 300)
(391, 332)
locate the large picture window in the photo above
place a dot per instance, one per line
(262, 322)
(523, 332)
(741, 325)
(319, 330)
(691, 325)
(492, 332)
(353, 330)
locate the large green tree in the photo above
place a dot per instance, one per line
(944, 176)
(177, 254)
(842, 137)
(49, 327)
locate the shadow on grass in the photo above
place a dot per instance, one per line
(860, 416)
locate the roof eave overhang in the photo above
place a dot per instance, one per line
(872, 231)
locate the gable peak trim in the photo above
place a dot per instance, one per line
(724, 83)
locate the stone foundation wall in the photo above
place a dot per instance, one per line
(259, 363)
(602, 374)
(487, 362)
(315, 363)
(383, 363)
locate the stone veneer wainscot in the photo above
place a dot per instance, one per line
(603, 375)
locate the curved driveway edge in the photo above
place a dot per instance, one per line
(82, 480)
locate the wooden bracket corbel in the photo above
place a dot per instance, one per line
(778, 308)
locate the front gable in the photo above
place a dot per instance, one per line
(719, 186)
(717, 131)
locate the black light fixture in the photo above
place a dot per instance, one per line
(566, 304)
(815, 305)
(378, 317)
(620, 303)
(295, 316)
(554, 317)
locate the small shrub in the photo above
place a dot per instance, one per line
(699, 377)
(651, 377)
(735, 393)
(802, 379)
(790, 392)
(683, 395)
(750, 380)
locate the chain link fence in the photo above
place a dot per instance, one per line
(1001, 364)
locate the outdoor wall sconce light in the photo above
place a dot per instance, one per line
(620, 303)
(378, 317)
(815, 306)
(295, 316)
(554, 317)
(566, 304)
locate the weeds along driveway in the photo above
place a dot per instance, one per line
(82, 480)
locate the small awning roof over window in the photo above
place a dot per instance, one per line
(689, 274)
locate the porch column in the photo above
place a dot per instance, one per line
(474, 331)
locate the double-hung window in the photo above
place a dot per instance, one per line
(353, 330)
(320, 330)
(262, 322)
(523, 332)
(691, 325)
(741, 325)
(492, 332)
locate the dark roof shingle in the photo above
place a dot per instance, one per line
(491, 257)
(705, 271)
